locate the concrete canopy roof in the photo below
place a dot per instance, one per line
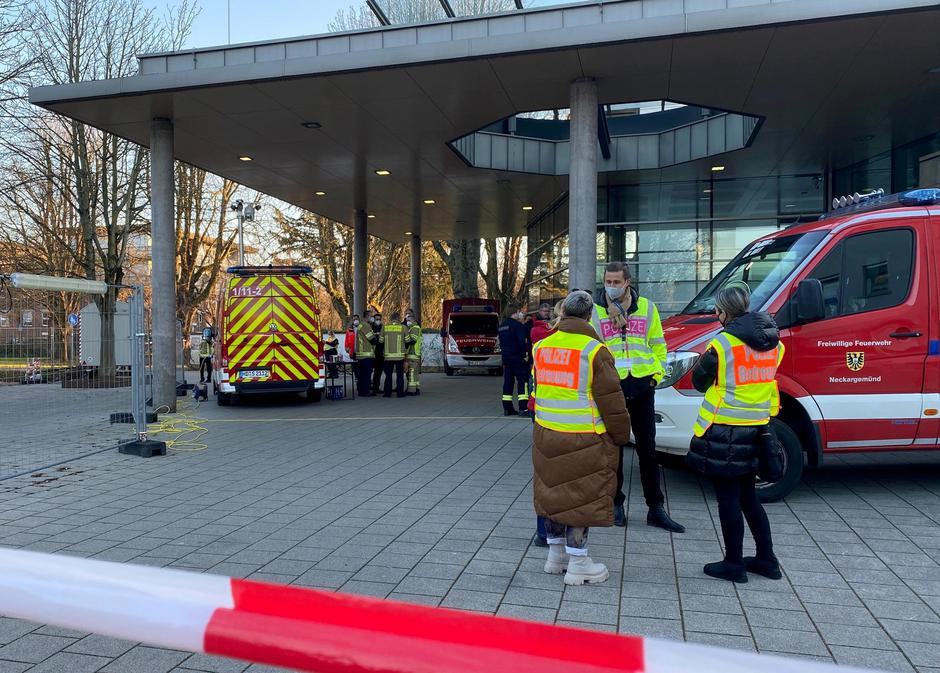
(823, 75)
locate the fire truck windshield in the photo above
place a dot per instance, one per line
(469, 324)
(763, 265)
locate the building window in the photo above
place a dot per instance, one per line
(26, 319)
(4, 320)
(45, 319)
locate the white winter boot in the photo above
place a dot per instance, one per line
(557, 559)
(582, 570)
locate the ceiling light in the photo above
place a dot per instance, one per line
(383, 172)
(706, 191)
(527, 207)
(717, 169)
(320, 193)
(244, 157)
(429, 202)
(371, 216)
(789, 205)
(311, 125)
(407, 233)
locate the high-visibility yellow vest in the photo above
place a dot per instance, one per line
(414, 348)
(205, 349)
(640, 350)
(745, 388)
(394, 337)
(564, 373)
(364, 345)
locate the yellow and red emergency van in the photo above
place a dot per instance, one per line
(268, 334)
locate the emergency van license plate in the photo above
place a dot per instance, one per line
(253, 374)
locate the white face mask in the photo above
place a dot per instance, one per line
(355, 323)
(614, 292)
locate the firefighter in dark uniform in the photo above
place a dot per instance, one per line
(515, 348)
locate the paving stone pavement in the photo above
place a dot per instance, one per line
(429, 500)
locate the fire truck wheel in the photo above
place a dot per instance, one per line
(223, 399)
(314, 394)
(448, 369)
(793, 467)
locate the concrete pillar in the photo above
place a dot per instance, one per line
(163, 258)
(360, 262)
(582, 187)
(416, 276)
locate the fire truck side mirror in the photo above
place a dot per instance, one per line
(809, 301)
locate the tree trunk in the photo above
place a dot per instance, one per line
(107, 307)
(463, 262)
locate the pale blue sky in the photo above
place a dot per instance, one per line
(254, 20)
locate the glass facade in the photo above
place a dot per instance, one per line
(679, 235)
(676, 235)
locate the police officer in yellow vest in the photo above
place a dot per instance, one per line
(413, 354)
(393, 336)
(580, 424)
(737, 373)
(631, 328)
(366, 339)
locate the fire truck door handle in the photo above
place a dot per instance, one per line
(905, 335)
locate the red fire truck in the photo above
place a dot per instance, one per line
(857, 298)
(470, 335)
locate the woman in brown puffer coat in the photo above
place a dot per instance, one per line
(576, 472)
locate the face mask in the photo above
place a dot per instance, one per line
(378, 323)
(355, 323)
(614, 292)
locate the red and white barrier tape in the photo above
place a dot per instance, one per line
(325, 632)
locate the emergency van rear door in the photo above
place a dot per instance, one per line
(247, 329)
(864, 362)
(295, 328)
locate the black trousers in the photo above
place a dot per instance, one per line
(641, 405)
(364, 375)
(736, 496)
(205, 364)
(398, 366)
(515, 376)
(378, 368)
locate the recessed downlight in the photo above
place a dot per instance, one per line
(311, 125)
(408, 233)
(320, 193)
(429, 202)
(717, 169)
(527, 207)
(383, 172)
(371, 216)
(244, 157)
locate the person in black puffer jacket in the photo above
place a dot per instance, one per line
(726, 452)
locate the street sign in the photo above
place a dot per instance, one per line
(73, 319)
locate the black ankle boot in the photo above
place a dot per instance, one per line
(660, 518)
(733, 572)
(769, 568)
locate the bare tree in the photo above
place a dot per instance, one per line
(40, 232)
(508, 271)
(328, 247)
(78, 40)
(462, 258)
(203, 240)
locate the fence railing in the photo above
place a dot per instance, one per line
(72, 375)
